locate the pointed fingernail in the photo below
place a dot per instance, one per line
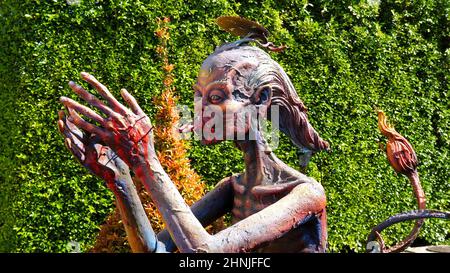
(61, 126)
(84, 74)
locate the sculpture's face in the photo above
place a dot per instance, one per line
(223, 105)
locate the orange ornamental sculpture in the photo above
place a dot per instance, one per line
(403, 159)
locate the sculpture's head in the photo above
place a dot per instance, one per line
(239, 83)
(228, 89)
(239, 79)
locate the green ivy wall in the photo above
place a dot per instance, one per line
(344, 57)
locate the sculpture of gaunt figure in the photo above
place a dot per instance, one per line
(274, 207)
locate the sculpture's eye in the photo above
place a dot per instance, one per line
(216, 96)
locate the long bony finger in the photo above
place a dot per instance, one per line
(71, 141)
(104, 92)
(92, 100)
(131, 101)
(86, 111)
(76, 119)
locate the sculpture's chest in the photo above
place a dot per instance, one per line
(246, 203)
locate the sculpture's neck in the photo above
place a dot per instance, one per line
(262, 167)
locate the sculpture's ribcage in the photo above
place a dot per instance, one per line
(306, 238)
(246, 204)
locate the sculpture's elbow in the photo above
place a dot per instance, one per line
(319, 194)
(312, 195)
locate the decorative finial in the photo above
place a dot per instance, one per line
(247, 30)
(399, 151)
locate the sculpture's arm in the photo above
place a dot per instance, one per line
(140, 234)
(102, 162)
(289, 212)
(208, 209)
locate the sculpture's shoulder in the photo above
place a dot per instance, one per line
(229, 180)
(234, 181)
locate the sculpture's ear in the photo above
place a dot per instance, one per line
(263, 95)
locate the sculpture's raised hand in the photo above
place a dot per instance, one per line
(103, 162)
(100, 160)
(126, 131)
